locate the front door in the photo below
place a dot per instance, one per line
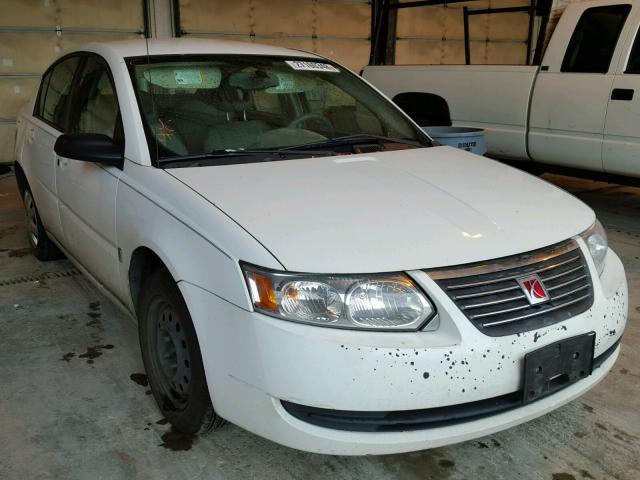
(621, 148)
(87, 191)
(571, 92)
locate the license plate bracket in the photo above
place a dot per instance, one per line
(558, 365)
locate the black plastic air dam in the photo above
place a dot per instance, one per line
(403, 420)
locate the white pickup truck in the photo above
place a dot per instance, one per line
(580, 108)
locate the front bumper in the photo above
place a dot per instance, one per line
(254, 362)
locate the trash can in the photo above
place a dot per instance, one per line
(466, 138)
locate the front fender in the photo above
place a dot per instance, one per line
(198, 243)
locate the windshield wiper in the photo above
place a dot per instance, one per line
(232, 157)
(358, 138)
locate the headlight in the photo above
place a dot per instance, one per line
(596, 240)
(370, 302)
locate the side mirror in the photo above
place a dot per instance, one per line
(89, 147)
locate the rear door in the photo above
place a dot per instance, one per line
(621, 149)
(571, 93)
(87, 191)
(49, 121)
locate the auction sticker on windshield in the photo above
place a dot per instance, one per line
(312, 66)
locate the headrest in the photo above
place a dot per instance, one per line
(253, 80)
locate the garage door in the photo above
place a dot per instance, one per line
(338, 29)
(35, 32)
(435, 35)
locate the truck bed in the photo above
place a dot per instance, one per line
(493, 97)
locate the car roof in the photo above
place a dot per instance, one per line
(185, 46)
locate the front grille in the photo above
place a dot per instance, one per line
(491, 298)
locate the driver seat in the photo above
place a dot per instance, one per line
(237, 131)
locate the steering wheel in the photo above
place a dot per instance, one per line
(298, 122)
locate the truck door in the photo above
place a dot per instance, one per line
(621, 148)
(571, 93)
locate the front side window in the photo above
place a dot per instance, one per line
(55, 105)
(195, 105)
(594, 40)
(95, 105)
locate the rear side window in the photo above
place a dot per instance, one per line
(56, 100)
(594, 39)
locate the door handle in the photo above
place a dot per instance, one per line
(31, 135)
(622, 94)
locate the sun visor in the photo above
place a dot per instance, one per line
(182, 76)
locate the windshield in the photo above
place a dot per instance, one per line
(199, 105)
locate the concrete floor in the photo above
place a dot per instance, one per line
(69, 409)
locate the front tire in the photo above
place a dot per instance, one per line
(43, 248)
(172, 358)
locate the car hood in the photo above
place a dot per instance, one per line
(390, 211)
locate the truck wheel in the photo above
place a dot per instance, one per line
(43, 248)
(172, 358)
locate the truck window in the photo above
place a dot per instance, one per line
(594, 39)
(633, 64)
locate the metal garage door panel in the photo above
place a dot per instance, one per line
(498, 53)
(7, 142)
(354, 54)
(14, 93)
(31, 13)
(282, 17)
(71, 41)
(27, 52)
(33, 33)
(506, 53)
(430, 22)
(125, 15)
(215, 16)
(429, 52)
(435, 35)
(276, 17)
(343, 19)
(346, 18)
(498, 27)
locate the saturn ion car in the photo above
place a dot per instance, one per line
(302, 260)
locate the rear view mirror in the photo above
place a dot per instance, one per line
(89, 147)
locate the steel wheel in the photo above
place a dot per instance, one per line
(32, 219)
(172, 353)
(172, 357)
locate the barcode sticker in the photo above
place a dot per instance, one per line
(312, 66)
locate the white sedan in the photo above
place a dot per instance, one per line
(302, 260)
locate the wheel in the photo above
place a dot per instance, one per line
(172, 359)
(43, 248)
